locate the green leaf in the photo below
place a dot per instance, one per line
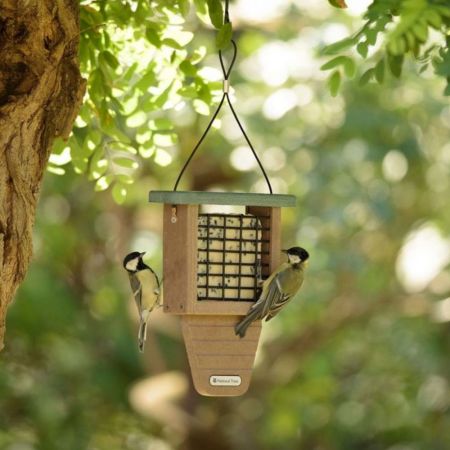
(205, 94)
(443, 10)
(164, 139)
(83, 53)
(371, 36)
(350, 68)
(124, 179)
(410, 39)
(397, 46)
(184, 7)
(379, 71)
(103, 183)
(366, 77)
(172, 43)
(345, 61)
(335, 62)
(110, 59)
(98, 165)
(119, 193)
(188, 92)
(188, 69)
(160, 124)
(420, 29)
(128, 75)
(127, 163)
(339, 46)
(334, 82)
(215, 12)
(148, 80)
(80, 134)
(153, 37)
(147, 152)
(433, 18)
(161, 100)
(395, 63)
(79, 164)
(200, 5)
(223, 37)
(55, 169)
(363, 49)
(97, 84)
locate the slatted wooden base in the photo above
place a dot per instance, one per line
(221, 362)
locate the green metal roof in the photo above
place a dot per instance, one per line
(221, 198)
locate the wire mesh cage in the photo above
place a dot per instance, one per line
(230, 249)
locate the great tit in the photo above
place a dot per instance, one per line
(277, 290)
(146, 290)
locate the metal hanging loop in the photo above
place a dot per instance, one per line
(226, 73)
(226, 86)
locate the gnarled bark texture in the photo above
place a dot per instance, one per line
(40, 93)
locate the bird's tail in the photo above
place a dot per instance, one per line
(241, 328)
(142, 334)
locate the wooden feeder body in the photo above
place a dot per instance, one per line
(210, 267)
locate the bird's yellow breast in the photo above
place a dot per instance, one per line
(150, 290)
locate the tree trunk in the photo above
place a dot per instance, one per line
(41, 90)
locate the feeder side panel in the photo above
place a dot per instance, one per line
(221, 362)
(271, 219)
(180, 258)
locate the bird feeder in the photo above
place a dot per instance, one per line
(211, 267)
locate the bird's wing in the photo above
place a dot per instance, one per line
(278, 306)
(271, 295)
(136, 288)
(294, 281)
(275, 298)
(157, 290)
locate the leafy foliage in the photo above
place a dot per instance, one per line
(141, 64)
(394, 30)
(134, 56)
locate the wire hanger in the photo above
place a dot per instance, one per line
(226, 87)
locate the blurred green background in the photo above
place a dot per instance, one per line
(360, 359)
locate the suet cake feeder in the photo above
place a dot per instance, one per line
(211, 264)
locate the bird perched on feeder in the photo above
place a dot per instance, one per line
(146, 290)
(277, 290)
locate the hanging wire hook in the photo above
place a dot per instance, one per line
(226, 18)
(226, 73)
(226, 85)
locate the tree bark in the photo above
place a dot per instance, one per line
(41, 90)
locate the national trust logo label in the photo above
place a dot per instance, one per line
(225, 380)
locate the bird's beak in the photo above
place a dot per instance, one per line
(284, 251)
(142, 254)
